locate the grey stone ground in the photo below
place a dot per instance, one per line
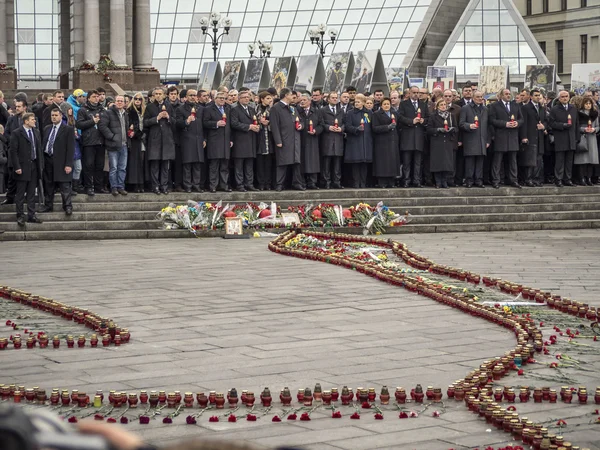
(212, 314)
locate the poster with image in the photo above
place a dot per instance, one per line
(492, 79)
(585, 77)
(284, 73)
(212, 76)
(233, 74)
(369, 72)
(443, 77)
(254, 74)
(338, 73)
(396, 78)
(309, 73)
(542, 76)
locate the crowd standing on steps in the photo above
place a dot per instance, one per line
(195, 141)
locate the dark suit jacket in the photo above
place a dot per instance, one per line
(331, 143)
(218, 139)
(63, 151)
(245, 142)
(505, 139)
(565, 137)
(412, 136)
(20, 153)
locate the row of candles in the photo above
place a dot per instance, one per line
(43, 340)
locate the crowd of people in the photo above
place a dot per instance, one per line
(195, 140)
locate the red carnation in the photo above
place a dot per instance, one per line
(511, 408)
(378, 416)
(213, 419)
(521, 372)
(305, 416)
(8, 323)
(124, 420)
(355, 416)
(144, 420)
(292, 417)
(436, 414)
(167, 420)
(403, 415)
(111, 420)
(98, 417)
(191, 420)
(276, 419)
(336, 415)
(366, 405)
(250, 418)
(72, 419)
(233, 418)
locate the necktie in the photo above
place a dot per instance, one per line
(33, 154)
(51, 141)
(246, 109)
(307, 111)
(333, 109)
(416, 105)
(507, 107)
(221, 110)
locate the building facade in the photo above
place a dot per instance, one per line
(568, 31)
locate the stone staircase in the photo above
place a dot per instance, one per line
(433, 210)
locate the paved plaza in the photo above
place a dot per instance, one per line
(212, 314)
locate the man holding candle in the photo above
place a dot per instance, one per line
(311, 129)
(564, 122)
(413, 116)
(533, 135)
(332, 142)
(217, 126)
(245, 128)
(192, 142)
(505, 118)
(286, 132)
(475, 137)
(158, 120)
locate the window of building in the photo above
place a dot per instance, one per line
(545, 6)
(584, 48)
(563, 5)
(528, 12)
(543, 46)
(559, 56)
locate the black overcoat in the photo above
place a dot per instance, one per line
(359, 144)
(245, 142)
(412, 137)
(505, 139)
(529, 131)
(218, 139)
(191, 136)
(135, 155)
(331, 143)
(20, 153)
(311, 161)
(474, 141)
(161, 144)
(441, 145)
(565, 137)
(386, 152)
(63, 151)
(283, 127)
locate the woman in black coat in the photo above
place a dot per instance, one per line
(443, 133)
(264, 157)
(137, 149)
(359, 141)
(386, 153)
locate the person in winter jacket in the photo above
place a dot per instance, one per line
(92, 143)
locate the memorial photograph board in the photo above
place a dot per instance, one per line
(212, 76)
(418, 82)
(443, 77)
(339, 71)
(254, 72)
(585, 77)
(233, 74)
(369, 72)
(396, 78)
(492, 79)
(540, 76)
(309, 73)
(284, 73)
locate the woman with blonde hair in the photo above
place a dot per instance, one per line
(586, 156)
(137, 149)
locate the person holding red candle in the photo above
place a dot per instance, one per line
(476, 138)
(386, 155)
(245, 142)
(218, 143)
(533, 137)
(311, 164)
(332, 142)
(192, 142)
(564, 123)
(443, 135)
(588, 129)
(413, 117)
(359, 141)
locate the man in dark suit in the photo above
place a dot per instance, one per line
(505, 118)
(217, 126)
(57, 99)
(533, 135)
(28, 164)
(467, 96)
(245, 128)
(58, 145)
(564, 122)
(476, 138)
(191, 138)
(413, 120)
(15, 121)
(331, 120)
(287, 139)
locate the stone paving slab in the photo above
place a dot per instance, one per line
(210, 314)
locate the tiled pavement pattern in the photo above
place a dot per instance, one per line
(211, 314)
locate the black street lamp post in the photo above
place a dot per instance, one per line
(317, 37)
(264, 48)
(214, 21)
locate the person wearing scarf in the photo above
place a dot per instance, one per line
(137, 149)
(585, 160)
(443, 134)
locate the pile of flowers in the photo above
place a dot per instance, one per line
(197, 216)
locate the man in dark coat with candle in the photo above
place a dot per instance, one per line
(505, 118)
(533, 135)
(309, 118)
(58, 145)
(217, 127)
(245, 128)
(564, 122)
(476, 138)
(331, 143)
(287, 140)
(158, 120)
(413, 115)
(191, 141)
